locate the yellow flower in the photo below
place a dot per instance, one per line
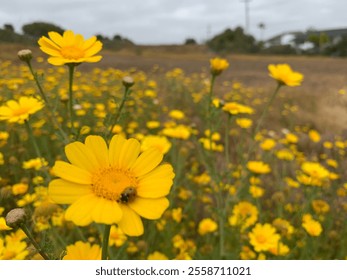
(13, 249)
(117, 237)
(35, 163)
(3, 225)
(244, 214)
(176, 114)
(283, 226)
(218, 65)
(258, 167)
(157, 256)
(268, 144)
(314, 135)
(83, 251)
(112, 185)
(179, 132)
(177, 214)
(244, 122)
(280, 249)
(18, 112)
(285, 154)
(19, 188)
(292, 138)
(70, 48)
(284, 75)
(206, 226)
(320, 206)
(312, 227)
(256, 191)
(154, 141)
(153, 124)
(263, 237)
(235, 108)
(315, 170)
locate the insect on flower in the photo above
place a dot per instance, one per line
(127, 195)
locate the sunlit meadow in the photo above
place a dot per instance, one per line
(111, 164)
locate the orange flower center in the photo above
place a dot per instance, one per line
(111, 183)
(20, 111)
(261, 238)
(72, 52)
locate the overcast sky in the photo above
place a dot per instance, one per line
(172, 21)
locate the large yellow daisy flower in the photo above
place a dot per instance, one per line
(70, 48)
(112, 185)
(19, 111)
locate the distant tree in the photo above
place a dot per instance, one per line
(337, 49)
(38, 29)
(190, 41)
(8, 27)
(233, 41)
(319, 40)
(117, 37)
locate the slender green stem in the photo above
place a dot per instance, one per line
(120, 109)
(226, 142)
(32, 138)
(33, 241)
(209, 109)
(105, 240)
(71, 101)
(48, 106)
(261, 119)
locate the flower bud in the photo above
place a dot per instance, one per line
(128, 81)
(25, 55)
(16, 217)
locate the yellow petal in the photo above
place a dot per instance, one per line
(130, 223)
(72, 173)
(44, 42)
(149, 208)
(129, 153)
(81, 156)
(80, 212)
(116, 146)
(93, 58)
(147, 161)
(156, 183)
(55, 37)
(106, 211)
(65, 192)
(99, 146)
(95, 48)
(57, 61)
(89, 43)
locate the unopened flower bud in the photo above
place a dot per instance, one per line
(25, 55)
(16, 217)
(128, 81)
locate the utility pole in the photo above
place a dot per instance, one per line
(246, 14)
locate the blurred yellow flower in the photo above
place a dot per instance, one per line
(268, 144)
(258, 167)
(3, 225)
(207, 226)
(20, 188)
(314, 135)
(320, 206)
(179, 132)
(13, 249)
(235, 108)
(70, 48)
(157, 256)
(279, 250)
(18, 112)
(117, 237)
(176, 114)
(35, 163)
(284, 75)
(315, 170)
(112, 185)
(263, 237)
(256, 191)
(83, 251)
(244, 122)
(244, 214)
(218, 65)
(154, 141)
(312, 227)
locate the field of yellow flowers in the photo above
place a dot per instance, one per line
(101, 165)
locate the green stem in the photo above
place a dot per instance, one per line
(71, 111)
(33, 241)
(105, 240)
(48, 106)
(227, 156)
(209, 109)
(120, 109)
(32, 138)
